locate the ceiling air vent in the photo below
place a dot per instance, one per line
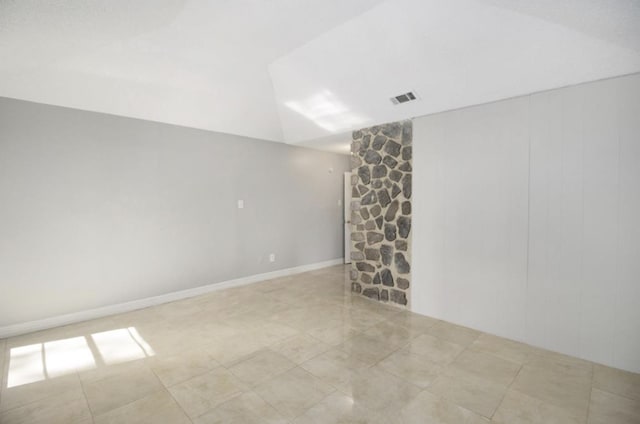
(404, 98)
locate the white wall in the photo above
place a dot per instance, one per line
(527, 219)
(97, 210)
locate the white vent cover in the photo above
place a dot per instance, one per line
(404, 98)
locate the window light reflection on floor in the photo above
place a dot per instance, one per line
(42, 361)
(63, 357)
(122, 345)
(26, 365)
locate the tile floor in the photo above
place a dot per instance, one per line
(298, 350)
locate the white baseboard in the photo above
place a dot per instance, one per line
(43, 324)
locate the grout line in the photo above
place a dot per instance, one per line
(589, 405)
(636, 400)
(508, 388)
(47, 396)
(166, 389)
(516, 375)
(86, 399)
(335, 389)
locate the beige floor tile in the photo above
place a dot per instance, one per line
(608, 408)
(260, 366)
(367, 349)
(360, 320)
(577, 375)
(390, 333)
(21, 395)
(316, 327)
(314, 353)
(295, 316)
(175, 369)
(169, 339)
(230, 348)
(270, 333)
(338, 408)
(55, 353)
(335, 367)
(479, 395)
(378, 390)
(413, 368)
(247, 408)
(616, 381)
(428, 408)
(454, 333)
(485, 365)
(415, 323)
(203, 393)
(518, 408)
(503, 348)
(301, 348)
(367, 305)
(562, 364)
(48, 360)
(206, 328)
(330, 312)
(562, 385)
(387, 311)
(303, 419)
(66, 408)
(112, 387)
(333, 336)
(159, 407)
(293, 392)
(342, 311)
(434, 349)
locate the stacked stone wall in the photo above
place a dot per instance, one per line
(381, 212)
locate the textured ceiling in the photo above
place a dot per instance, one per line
(297, 71)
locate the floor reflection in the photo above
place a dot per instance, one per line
(122, 345)
(301, 350)
(42, 361)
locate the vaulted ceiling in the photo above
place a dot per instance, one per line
(300, 70)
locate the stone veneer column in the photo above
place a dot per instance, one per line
(381, 212)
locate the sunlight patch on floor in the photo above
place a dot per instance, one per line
(42, 361)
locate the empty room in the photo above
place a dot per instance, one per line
(320, 211)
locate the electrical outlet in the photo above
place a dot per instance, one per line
(240, 204)
(272, 257)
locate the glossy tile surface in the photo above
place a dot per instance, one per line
(159, 408)
(298, 349)
(112, 387)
